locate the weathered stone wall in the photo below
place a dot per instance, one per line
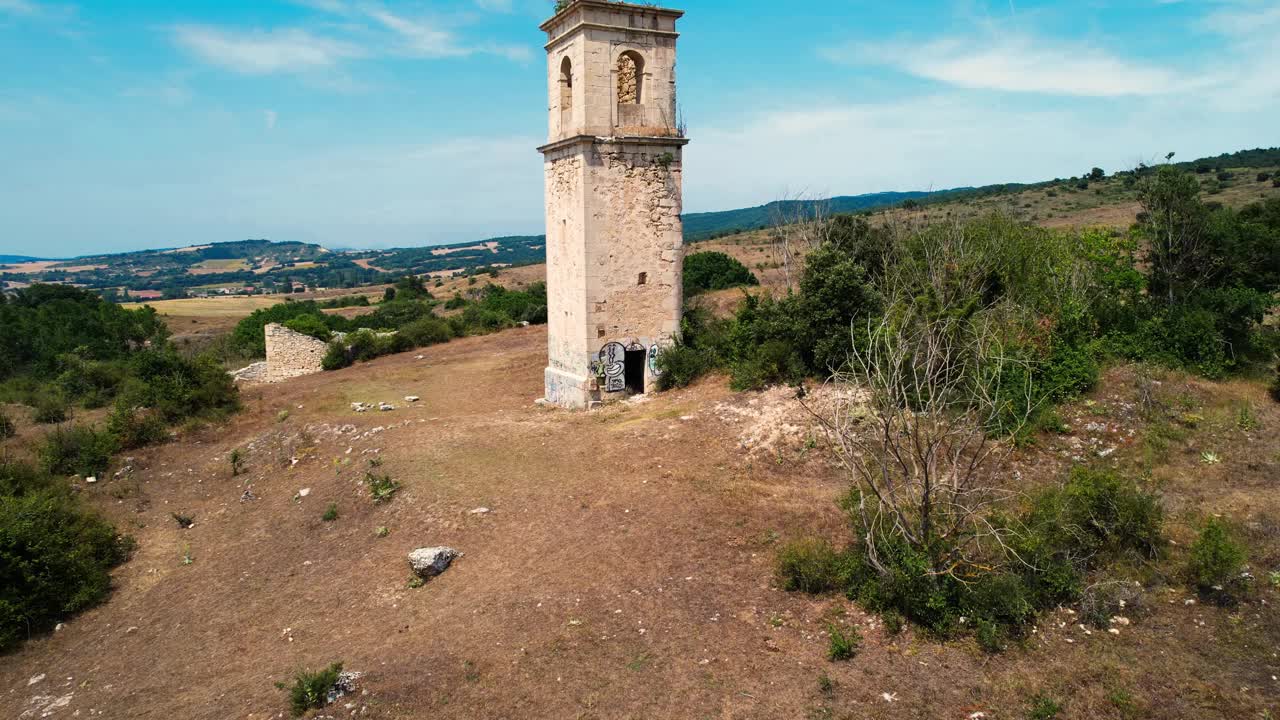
(291, 354)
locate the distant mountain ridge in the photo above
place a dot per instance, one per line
(702, 226)
(265, 265)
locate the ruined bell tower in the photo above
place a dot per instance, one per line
(613, 162)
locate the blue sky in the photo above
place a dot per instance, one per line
(377, 123)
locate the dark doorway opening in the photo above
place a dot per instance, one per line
(635, 371)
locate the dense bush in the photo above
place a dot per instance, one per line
(1066, 534)
(248, 337)
(705, 271)
(310, 325)
(77, 450)
(427, 331)
(1216, 561)
(55, 556)
(50, 408)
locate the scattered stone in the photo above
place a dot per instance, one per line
(345, 685)
(132, 629)
(91, 479)
(360, 407)
(384, 407)
(59, 627)
(481, 511)
(431, 561)
(35, 679)
(304, 492)
(417, 357)
(411, 398)
(247, 495)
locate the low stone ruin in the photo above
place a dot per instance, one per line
(291, 354)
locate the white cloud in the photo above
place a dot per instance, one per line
(269, 117)
(947, 140)
(361, 30)
(259, 52)
(1017, 63)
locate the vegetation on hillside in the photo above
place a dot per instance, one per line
(62, 348)
(705, 271)
(55, 555)
(951, 337)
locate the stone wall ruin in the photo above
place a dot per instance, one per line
(291, 354)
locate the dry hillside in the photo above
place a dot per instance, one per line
(624, 568)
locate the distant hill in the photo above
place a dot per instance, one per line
(703, 226)
(264, 265)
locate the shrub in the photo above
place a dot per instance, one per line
(7, 429)
(705, 271)
(330, 513)
(427, 331)
(77, 450)
(811, 565)
(1275, 384)
(336, 357)
(1216, 560)
(55, 556)
(381, 487)
(1043, 707)
(134, 427)
(50, 408)
(248, 337)
(311, 325)
(310, 690)
(842, 644)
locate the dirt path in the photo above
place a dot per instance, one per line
(624, 570)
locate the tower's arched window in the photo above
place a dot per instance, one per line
(566, 85)
(630, 78)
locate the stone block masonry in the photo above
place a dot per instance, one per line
(613, 166)
(291, 354)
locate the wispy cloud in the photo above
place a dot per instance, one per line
(347, 31)
(1016, 63)
(269, 118)
(258, 52)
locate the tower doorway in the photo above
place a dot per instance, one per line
(635, 360)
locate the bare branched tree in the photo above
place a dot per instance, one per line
(798, 223)
(913, 425)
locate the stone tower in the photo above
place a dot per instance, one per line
(612, 162)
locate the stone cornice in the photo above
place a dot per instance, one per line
(614, 140)
(668, 12)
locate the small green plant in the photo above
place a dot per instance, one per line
(184, 521)
(187, 557)
(826, 686)
(237, 462)
(1216, 560)
(282, 416)
(811, 565)
(893, 622)
(1274, 577)
(1043, 707)
(375, 462)
(381, 487)
(1246, 420)
(330, 513)
(842, 644)
(310, 690)
(416, 582)
(1209, 457)
(382, 531)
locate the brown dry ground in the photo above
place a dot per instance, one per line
(625, 570)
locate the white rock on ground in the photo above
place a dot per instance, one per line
(411, 398)
(386, 406)
(431, 561)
